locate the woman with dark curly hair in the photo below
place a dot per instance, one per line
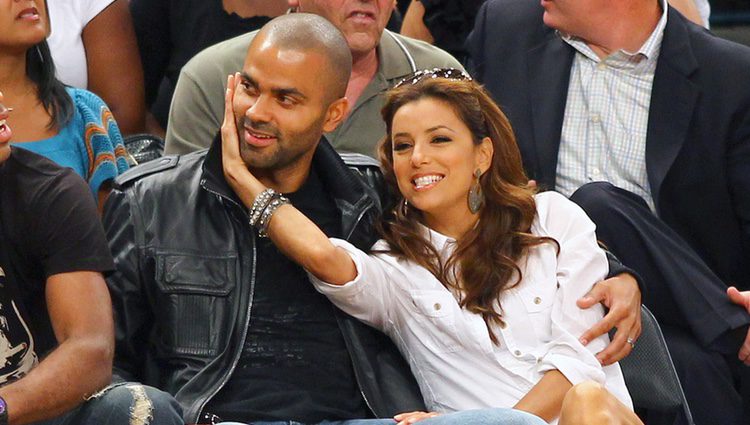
(476, 276)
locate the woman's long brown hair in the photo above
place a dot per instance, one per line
(485, 257)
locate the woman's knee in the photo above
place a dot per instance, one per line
(586, 404)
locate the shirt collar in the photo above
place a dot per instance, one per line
(438, 240)
(392, 61)
(649, 49)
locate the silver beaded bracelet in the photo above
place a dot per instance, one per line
(265, 218)
(259, 205)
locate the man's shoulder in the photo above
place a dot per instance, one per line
(35, 183)
(711, 49)
(159, 172)
(714, 63)
(425, 55)
(505, 15)
(224, 57)
(36, 171)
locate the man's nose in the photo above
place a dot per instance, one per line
(258, 111)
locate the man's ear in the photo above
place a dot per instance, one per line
(336, 113)
(484, 154)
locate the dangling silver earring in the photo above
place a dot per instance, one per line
(476, 197)
(39, 53)
(403, 208)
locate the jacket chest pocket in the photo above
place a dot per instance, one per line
(195, 292)
(434, 321)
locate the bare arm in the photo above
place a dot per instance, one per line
(114, 65)
(81, 314)
(293, 233)
(413, 25)
(546, 397)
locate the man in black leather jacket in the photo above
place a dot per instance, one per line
(208, 310)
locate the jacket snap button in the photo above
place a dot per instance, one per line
(537, 300)
(437, 306)
(517, 353)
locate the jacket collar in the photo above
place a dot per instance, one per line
(350, 194)
(673, 99)
(549, 74)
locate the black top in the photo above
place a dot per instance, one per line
(48, 225)
(171, 32)
(294, 365)
(450, 22)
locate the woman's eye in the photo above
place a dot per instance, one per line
(441, 139)
(400, 146)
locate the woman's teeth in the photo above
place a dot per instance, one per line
(423, 181)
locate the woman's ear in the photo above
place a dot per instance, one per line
(485, 152)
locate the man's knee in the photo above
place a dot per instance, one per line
(596, 198)
(133, 404)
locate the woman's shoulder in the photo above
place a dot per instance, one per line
(555, 212)
(83, 97)
(90, 107)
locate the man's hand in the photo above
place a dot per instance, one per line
(242, 182)
(230, 145)
(620, 294)
(742, 299)
(412, 417)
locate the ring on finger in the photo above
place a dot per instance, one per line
(631, 341)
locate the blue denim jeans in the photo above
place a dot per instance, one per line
(123, 404)
(473, 417)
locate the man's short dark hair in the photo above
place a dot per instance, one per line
(309, 32)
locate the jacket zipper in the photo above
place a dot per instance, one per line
(249, 307)
(354, 369)
(236, 359)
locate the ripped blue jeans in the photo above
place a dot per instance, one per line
(123, 403)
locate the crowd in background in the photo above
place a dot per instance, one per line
(81, 77)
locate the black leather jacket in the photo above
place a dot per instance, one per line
(183, 288)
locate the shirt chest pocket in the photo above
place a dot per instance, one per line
(433, 323)
(534, 312)
(195, 303)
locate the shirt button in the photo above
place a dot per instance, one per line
(517, 353)
(595, 118)
(437, 306)
(537, 300)
(596, 171)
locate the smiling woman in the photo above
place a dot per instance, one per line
(70, 126)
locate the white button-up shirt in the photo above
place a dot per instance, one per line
(606, 117)
(449, 348)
